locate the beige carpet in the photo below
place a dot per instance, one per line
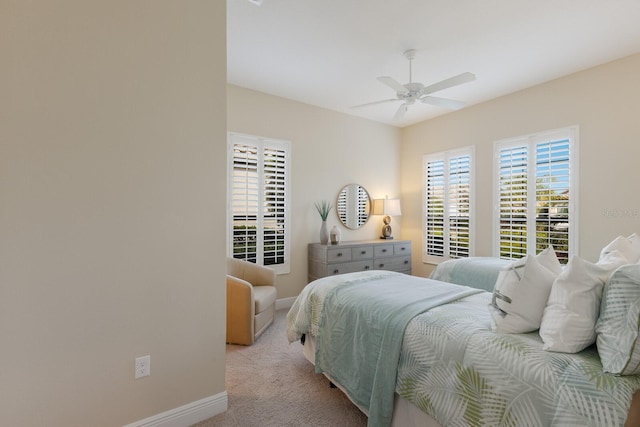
(271, 383)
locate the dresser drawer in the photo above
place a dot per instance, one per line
(363, 252)
(393, 264)
(338, 255)
(400, 249)
(380, 251)
(349, 267)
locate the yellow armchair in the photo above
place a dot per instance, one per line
(251, 299)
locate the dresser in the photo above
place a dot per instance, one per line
(361, 255)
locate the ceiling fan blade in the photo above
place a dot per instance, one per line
(393, 84)
(401, 110)
(442, 102)
(450, 82)
(375, 102)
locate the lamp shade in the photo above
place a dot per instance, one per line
(389, 207)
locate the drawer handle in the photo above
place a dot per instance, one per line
(366, 267)
(363, 253)
(384, 250)
(339, 254)
(381, 266)
(336, 271)
(402, 248)
(406, 262)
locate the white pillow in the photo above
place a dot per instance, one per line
(521, 292)
(624, 245)
(618, 327)
(549, 259)
(634, 239)
(569, 319)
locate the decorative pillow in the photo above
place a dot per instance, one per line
(569, 319)
(521, 292)
(624, 245)
(618, 327)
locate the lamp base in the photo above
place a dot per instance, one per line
(386, 229)
(386, 237)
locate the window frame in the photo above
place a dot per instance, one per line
(445, 157)
(261, 144)
(531, 142)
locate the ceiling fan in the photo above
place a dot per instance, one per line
(413, 91)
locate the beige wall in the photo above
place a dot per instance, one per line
(603, 101)
(329, 150)
(112, 124)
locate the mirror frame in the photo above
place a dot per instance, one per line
(356, 199)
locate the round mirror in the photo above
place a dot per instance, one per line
(353, 206)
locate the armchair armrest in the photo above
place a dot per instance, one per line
(240, 311)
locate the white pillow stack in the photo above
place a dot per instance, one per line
(565, 305)
(569, 319)
(521, 292)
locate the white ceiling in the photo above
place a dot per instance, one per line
(328, 53)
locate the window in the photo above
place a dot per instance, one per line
(258, 200)
(448, 205)
(535, 195)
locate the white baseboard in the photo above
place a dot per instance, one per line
(188, 414)
(284, 303)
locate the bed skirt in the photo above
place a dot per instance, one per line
(405, 414)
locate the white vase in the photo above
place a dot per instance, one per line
(324, 233)
(335, 235)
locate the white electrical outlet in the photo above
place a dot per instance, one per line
(143, 366)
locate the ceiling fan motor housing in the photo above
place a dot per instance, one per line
(414, 91)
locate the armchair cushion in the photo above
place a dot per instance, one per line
(264, 297)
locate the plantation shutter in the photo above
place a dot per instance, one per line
(459, 206)
(448, 207)
(536, 191)
(274, 203)
(513, 167)
(245, 201)
(259, 188)
(435, 200)
(553, 178)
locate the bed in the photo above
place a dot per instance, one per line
(416, 351)
(476, 272)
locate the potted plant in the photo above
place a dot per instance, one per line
(324, 207)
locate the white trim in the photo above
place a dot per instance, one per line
(284, 303)
(188, 414)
